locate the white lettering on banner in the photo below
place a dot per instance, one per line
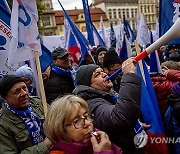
(176, 11)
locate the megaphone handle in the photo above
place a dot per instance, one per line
(114, 74)
(140, 56)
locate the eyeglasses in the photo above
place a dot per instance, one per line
(79, 123)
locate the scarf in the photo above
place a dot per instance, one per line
(75, 147)
(68, 72)
(32, 122)
(83, 148)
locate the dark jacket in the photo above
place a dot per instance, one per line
(58, 85)
(14, 136)
(174, 101)
(173, 120)
(116, 120)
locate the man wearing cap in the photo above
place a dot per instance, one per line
(21, 119)
(111, 64)
(116, 116)
(61, 79)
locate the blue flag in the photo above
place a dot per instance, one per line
(123, 55)
(91, 29)
(5, 5)
(169, 13)
(89, 25)
(128, 31)
(150, 112)
(154, 59)
(112, 37)
(100, 40)
(81, 39)
(45, 58)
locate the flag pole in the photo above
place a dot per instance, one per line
(43, 97)
(138, 52)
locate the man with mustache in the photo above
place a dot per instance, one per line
(21, 119)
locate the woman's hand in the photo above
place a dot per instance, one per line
(100, 142)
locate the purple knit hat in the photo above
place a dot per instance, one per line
(176, 88)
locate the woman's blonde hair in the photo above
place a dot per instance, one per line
(59, 113)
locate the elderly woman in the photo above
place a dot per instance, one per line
(69, 126)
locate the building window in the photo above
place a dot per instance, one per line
(141, 9)
(133, 26)
(48, 6)
(123, 13)
(110, 14)
(46, 21)
(152, 9)
(82, 16)
(61, 28)
(114, 14)
(119, 13)
(145, 9)
(132, 13)
(135, 11)
(127, 13)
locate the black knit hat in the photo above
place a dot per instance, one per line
(111, 57)
(84, 74)
(99, 49)
(7, 82)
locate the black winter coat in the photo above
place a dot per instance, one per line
(116, 120)
(58, 85)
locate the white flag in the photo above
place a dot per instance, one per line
(103, 30)
(143, 37)
(25, 36)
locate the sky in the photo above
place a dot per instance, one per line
(69, 4)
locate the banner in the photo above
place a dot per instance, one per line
(52, 42)
(5, 36)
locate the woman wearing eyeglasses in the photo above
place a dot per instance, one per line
(69, 126)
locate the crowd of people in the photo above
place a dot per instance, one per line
(86, 112)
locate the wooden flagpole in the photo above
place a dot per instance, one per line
(43, 97)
